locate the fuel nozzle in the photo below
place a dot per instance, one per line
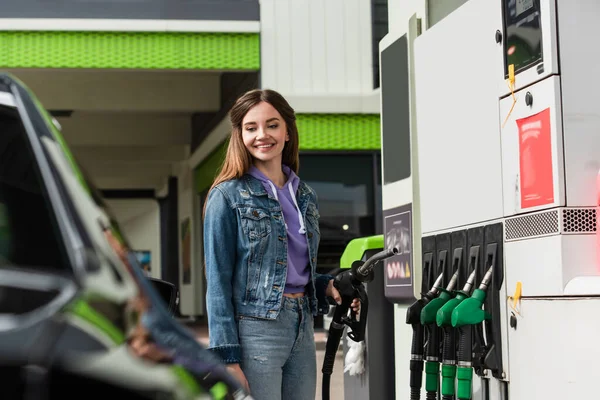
(413, 317)
(444, 314)
(428, 319)
(429, 312)
(465, 316)
(469, 312)
(444, 321)
(487, 278)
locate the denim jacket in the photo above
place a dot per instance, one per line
(245, 250)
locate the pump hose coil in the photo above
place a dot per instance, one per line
(449, 354)
(416, 365)
(464, 344)
(415, 393)
(449, 345)
(417, 340)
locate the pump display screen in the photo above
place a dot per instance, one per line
(523, 44)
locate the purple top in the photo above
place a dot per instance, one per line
(298, 272)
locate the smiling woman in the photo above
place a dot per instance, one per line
(261, 238)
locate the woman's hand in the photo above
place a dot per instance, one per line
(236, 371)
(331, 291)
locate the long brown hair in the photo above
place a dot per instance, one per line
(237, 159)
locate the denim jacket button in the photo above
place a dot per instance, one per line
(310, 235)
(255, 213)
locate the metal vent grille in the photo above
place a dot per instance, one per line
(566, 221)
(532, 225)
(578, 220)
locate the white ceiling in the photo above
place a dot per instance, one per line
(128, 128)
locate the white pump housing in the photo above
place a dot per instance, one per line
(488, 146)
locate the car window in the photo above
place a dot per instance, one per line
(29, 234)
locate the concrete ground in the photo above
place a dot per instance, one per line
(337, 378)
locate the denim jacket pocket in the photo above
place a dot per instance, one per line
(256, 222)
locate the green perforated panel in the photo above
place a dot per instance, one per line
(206, 172)
(317, 132)
(339, 131)
(130, 50)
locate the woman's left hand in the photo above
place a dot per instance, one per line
(331, 291)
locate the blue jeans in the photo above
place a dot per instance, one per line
(279, 356)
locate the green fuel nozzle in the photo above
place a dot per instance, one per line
(444, 314)
(413, 317)
(428, 315)
(464, 316)
(444, 320)
(469, 311)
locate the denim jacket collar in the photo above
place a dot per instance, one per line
(256, 188)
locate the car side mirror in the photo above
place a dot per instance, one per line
(167, 292)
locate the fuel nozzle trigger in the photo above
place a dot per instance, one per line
(358, 325)
(350, 288)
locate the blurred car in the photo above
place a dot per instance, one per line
(77, 313)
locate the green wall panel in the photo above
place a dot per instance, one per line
(317, 132)
(206, 172)
(129, 50)
(339, 131)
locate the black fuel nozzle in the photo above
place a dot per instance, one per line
(349, 292)
(364, 271)
(349, 284)
(413, 318)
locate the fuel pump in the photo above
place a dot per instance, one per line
(511, 178)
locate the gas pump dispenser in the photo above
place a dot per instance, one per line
(502, 101)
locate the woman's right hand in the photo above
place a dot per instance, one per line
(237, 372)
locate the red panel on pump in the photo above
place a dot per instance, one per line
(535, 160)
